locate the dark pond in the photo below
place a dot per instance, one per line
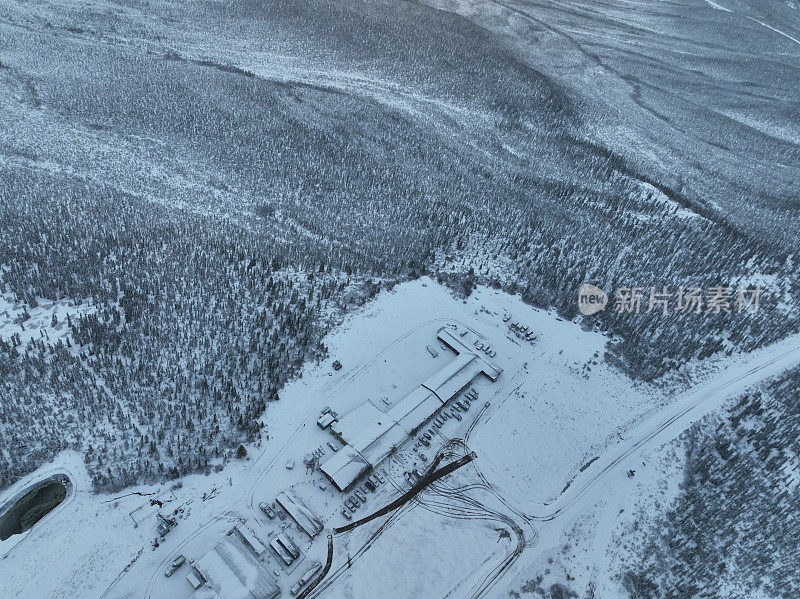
(32, 507)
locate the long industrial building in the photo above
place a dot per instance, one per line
(300, 514)
(371, 434)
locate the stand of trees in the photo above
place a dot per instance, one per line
(222, 220)
(732, 531)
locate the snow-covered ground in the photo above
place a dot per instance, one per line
(583, 549)
(580, 533)
(552, 446)
(73, 550)
(48, 321)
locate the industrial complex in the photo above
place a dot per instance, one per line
(371, 433)
(257, 558)
(231, 570)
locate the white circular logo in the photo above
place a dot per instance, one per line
(591, 299)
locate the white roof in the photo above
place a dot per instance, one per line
(455, 383)
(326, 419)
(442, 379)
(194, 580)
(300, 514)
(288, 544)
(281, 551)
(490, 369)
(366, 416)
(250, 538)
(233, 573)
(373, 447)
(344, 467)
(371, 434)
(415, 409)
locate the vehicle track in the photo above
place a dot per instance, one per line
(420, 486)
(459, 505)
(342, 569)
(584, 488)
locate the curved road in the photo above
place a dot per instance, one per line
(663, 427)
(673, 420)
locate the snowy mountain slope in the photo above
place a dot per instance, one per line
(229, 181)
(706, 98)
(195, 165)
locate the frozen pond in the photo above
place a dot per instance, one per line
(34, 505)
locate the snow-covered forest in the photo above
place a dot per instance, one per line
(732, 530)
(220, 208)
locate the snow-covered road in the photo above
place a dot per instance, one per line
(599, 480)
(673, 420)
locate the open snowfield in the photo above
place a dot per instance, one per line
(460, 547)
(582, 534)
(556, 406)
(565, 404)
(582, 551)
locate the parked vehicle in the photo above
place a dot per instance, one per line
(176, 563)
(346, 514)
(265, 507)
